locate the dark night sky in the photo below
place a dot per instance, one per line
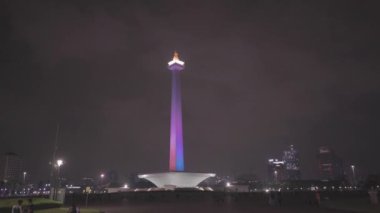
(260, 75)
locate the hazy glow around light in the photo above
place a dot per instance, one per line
(59, 162)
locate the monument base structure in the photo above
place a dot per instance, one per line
(176, 179)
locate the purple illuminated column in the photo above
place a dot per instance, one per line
(176, 162)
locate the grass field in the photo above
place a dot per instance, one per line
(6, 203)
(353, 205)
(65, 210)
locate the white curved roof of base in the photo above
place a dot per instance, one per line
(177, 179)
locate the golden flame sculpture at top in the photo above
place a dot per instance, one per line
(176, 55)
(176, 60)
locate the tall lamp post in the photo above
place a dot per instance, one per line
(275, 176)
(102, 178)
(101, 187)
(353, 175)
(24, 182)
(59, 163)
(24, 175)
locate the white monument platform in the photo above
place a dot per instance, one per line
(176, 179)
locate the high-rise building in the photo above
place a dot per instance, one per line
(11, 167)
(292, 164)
(330, 165)
(276, 170)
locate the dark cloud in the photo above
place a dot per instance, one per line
(260, 76)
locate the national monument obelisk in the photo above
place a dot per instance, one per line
(176, 177)
(176, 161)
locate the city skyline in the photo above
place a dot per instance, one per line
(274, 164)
(264, 76)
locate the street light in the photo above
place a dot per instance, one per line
(102, 180)
(24, 173)
(59, 164)
(275, 176)
(353, 175)
(57, 184)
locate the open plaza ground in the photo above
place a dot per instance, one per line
(220, 202)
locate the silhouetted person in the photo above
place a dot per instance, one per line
(317, 198)
(18, 207)
(373, 196)
(272, 198)
(74, 209)
(30, 208)
(279, 198)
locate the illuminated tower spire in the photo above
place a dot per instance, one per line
(176, 162)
